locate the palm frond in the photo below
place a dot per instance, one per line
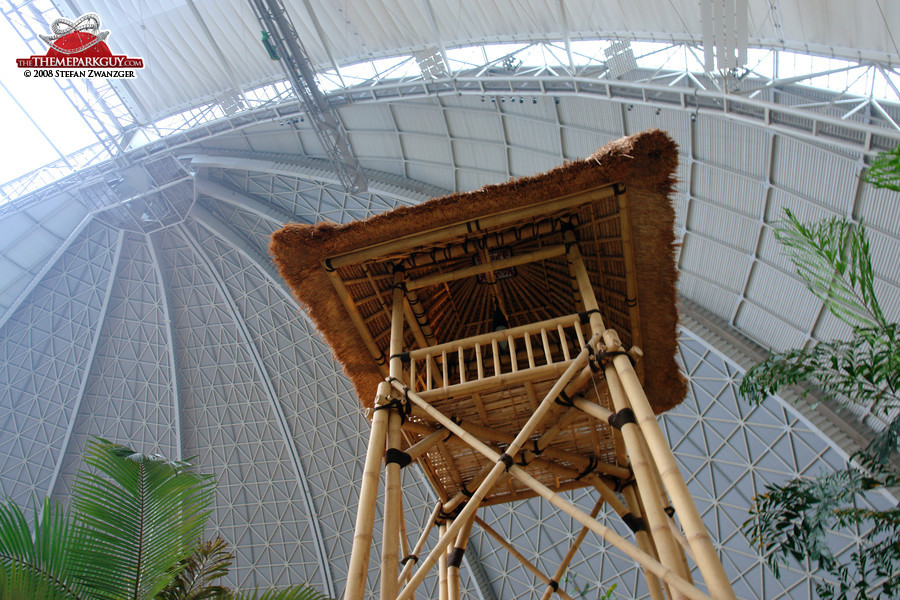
(37, 565)
(210, 561)
(885, 170)
(863, 371)
(833, 258)
(145, 513)
(297, 592)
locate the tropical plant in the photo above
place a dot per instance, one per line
(131, 534)
(885, 170)
(793, 519)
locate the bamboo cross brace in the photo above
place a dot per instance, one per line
(502, 437)
(576, 543)
(499, 468)
(412, 558)
(520, 557)
(664, 573)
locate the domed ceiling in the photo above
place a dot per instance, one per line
(138, 302)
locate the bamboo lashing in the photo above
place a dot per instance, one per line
(495, 473)
(411, 559)
(402, 244)
(666, 574)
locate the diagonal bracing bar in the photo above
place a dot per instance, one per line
(322, 115)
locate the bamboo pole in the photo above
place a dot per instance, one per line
(520, 557)
(487, 267)
(645, 543)
(655, 516)
(459, 548)
(390, 551)
(368, 495)
(567, 559)
(425, 444)
(413, 558)
(664, 573)
(443, 588)
(358, 321)
(500, 336)
(634, 313)
(439, 234)
(695, 531)
(656, 519)
(496, 472)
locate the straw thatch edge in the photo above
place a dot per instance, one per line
(645, 162)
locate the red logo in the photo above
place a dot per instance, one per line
(78, 49)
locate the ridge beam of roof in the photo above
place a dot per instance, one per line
(260, 208)
(275, 404)
(154, 246)
(88, 364)
(227, 234)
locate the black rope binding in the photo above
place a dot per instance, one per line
(507, 460)
(409, 557)
(585, 315)
(563, 399)
(455, 557)
(589, 469)
(537, 448)
(465, 492)
(634, 523)
(605, 356)
(554, 584)
(401, 355)
(397, 456)
(622, 418)
(404, 407)
(328, 266)
(669, 511)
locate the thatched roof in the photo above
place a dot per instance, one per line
(645, 163)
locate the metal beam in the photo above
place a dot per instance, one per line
(242, 200)
(154, 246)
(45, 269)
(89, 363)
(227, 234)
(272, 394)
(323, 117)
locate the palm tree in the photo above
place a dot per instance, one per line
(793, 520)
(131, 534)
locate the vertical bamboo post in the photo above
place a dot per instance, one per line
(368, 495)
(454, 560)
(390, 541)
(705, 554)
(443, 591)
(656, 518)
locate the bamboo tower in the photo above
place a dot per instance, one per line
(516, 341)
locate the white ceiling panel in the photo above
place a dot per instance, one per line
(824, 177)
(739, 147)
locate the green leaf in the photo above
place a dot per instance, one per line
(210, 561)
(298, 592)
(38, 565)
(885, 170)
(145, 514)
(833, 258)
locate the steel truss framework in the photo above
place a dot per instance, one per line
(132, 337)
(858, 123)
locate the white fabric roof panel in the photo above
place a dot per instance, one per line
(185, 66)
